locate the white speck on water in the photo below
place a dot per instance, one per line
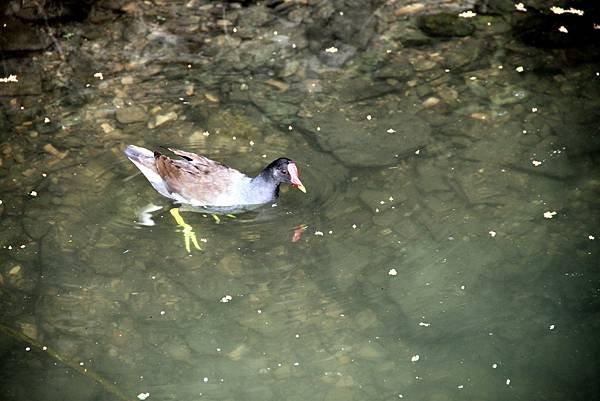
(290, 128)
(492, 233)
(549, 214)
(460, 386)
(162, 312)
(33, 193)
(296, 363)
(318, 128)
(391, 198)
(27, 349)
(275, 33)
(467, 14)
(46, 120)
(80, 363)
(331, 49)
(143, 396)
(354, 226)
(563, 29)
(393, 272)
(259, 311)
(251, 143)
(570, 10)
(536, 162)
(226, 299)
(447, 70)
(369, 117)
(520, 7)
(519, 69)
(400, 396)
(153, 277)
(534, 109)
(462, 287)
(234, 29)
(341, 13)
(293, 45)
(500, 67)
(423, 324)
(319, 233)
(297, 335)
(99, 76)
(551, 327)
(417, 151)
(234, 138)
(415, 358)
(507, 382)
(391, 131)
(473, 78)
(330, 232)
(206, 133)
(494, 365)
(589, 236)
(205, 380)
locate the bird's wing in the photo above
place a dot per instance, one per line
(199, 181)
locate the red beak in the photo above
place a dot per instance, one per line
(293, 170)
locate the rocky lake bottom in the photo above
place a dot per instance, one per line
(446, 248)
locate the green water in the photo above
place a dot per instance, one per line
(446, 248)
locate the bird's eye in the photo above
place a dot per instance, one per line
(284, 172)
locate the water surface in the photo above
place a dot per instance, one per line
(446, 248)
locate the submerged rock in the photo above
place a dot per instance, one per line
(130, 115)
(445, 25)
(359, 141)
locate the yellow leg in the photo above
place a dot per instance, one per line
(217, 218)
(188, 232)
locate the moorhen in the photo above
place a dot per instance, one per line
(200, 182)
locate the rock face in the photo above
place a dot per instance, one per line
(362, 141)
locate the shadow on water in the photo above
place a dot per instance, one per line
(446, 248)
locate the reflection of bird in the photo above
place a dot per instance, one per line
(204, 183)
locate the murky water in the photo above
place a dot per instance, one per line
(446, 248)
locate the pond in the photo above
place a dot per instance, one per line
(446, 248)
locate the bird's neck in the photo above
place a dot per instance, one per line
(263, 188)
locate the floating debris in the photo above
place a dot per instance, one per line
(492, 233)
(226, 299)
(563, 29)
(520, 7)
(393, 272)
(589, 236)
(551, 327)
(331, 50)
(415, 358)
(467, 14)
(10, 78)
(99, 76)
(423, 324)
(319, 233)
(536, 162)
(519, 69)
(549, 214)
(143, 396)
(494, 365)
(571, 10)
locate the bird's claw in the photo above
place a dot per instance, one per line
(188, 232)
